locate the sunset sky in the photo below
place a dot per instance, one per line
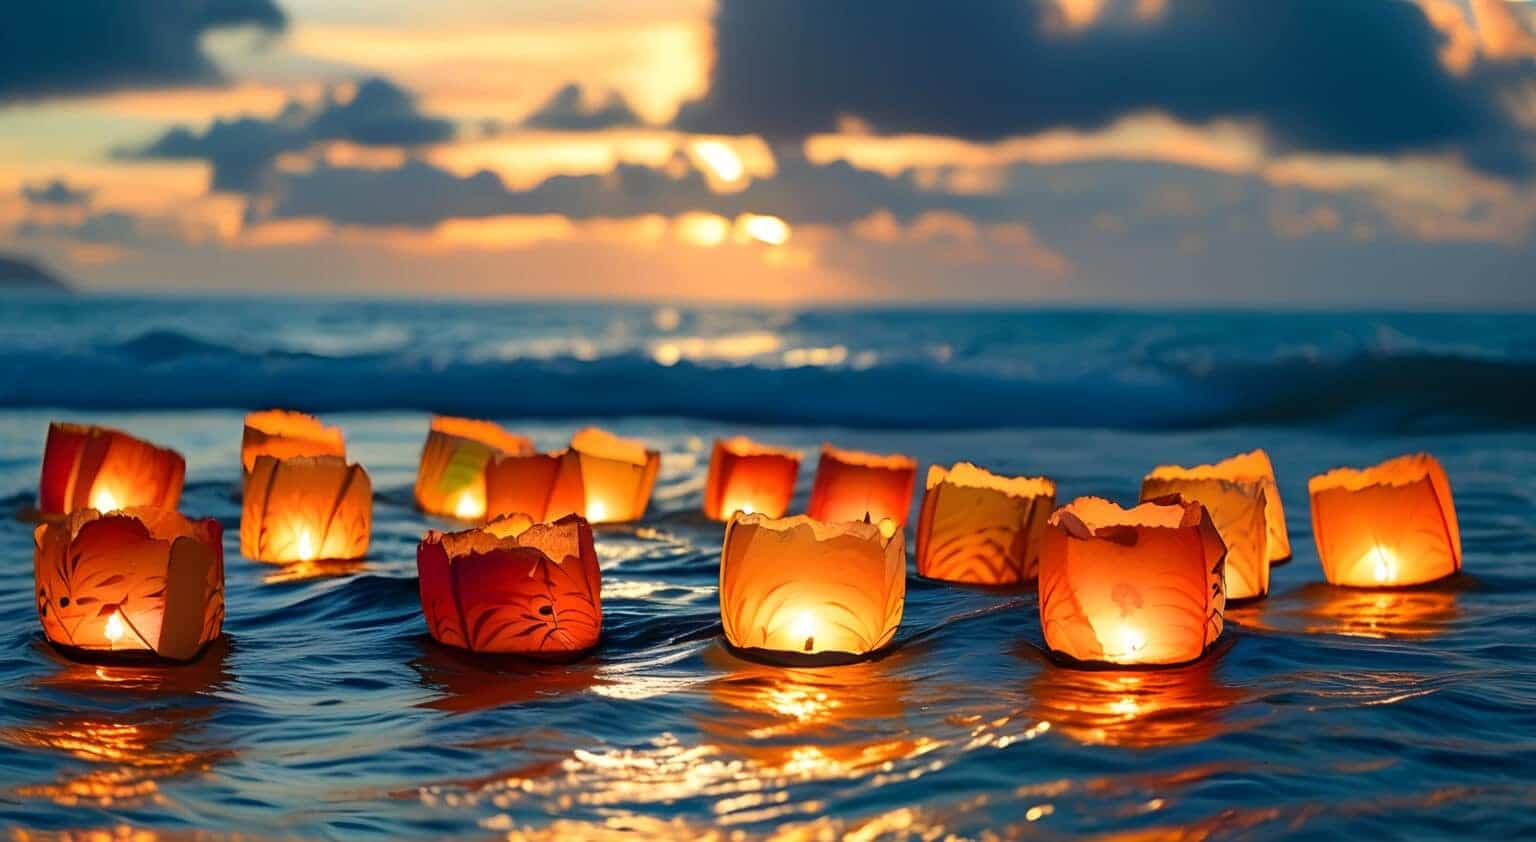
(1310, 152)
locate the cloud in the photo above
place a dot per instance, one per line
(57, 193)
(1333, 76)
(570, 110)
(71, 47)
(243, 150)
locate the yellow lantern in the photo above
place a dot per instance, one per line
(1390, 525)
(142, 581)
(750, 478)
(282, 433)
(798, 590)
(980, 528)
(513, 587)
(602, 477)
(104, 469)
(306, 508)
(853, 485)
(451, 479)
(1131, 587)
(1237, 507)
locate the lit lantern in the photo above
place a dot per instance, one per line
(281, 433)
(306, 508)
(798, 590)
(513, 587)
(1137, 586)
(1391, 525)
(103, 469)
(140, 581)
(750, 478)
(602, 477)
(981, 528)
(1253, 466)
(852, 485)
(451, 479)
(1237, 507)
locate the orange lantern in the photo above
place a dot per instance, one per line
(802, 591)
(602, 477)
(282, 433)
(1140, 586)
(852, 485)
(104, 469)
(1390, 525)
(1237, 507)
(305, 508)
(140, 581)
(451, 480)
(513, 587)
(750, 478)
(981, 528)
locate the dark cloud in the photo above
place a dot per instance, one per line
(64, 47)
(57, 193)
(1348, 76)
(569, 110)
(242, 150)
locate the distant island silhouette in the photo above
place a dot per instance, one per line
(23, 274)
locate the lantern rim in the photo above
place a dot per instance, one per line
(1391, 473)
(866, 459)
(1097, 514)
(479, 431)
(970, 475)
(821, 530)
(98, 431)
(1252, 466)
(745, 446)
(502, 533)
(290, 423)
(597, 442)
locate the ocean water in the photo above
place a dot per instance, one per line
(327, 712)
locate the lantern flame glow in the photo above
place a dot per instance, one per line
(306, 546)
(468, 508)
(804, 628)
(114, 631)
(597, 512)
(1383, 566)
(104, 501)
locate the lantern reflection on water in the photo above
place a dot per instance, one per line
(981, 528)
(451, 479)
(142, 581)
(1137, 708)
(513, 586)
(1237, 507)
(1390, 525)
(750, 478)
(1137, 586)
(104, 469)
(602, 477)
(306, 508)
(281, 433)
(802, 591)
(853, 485)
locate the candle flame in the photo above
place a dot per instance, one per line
(1131, 640)
(115, 630)
(1383, 566)
(887, 527)
(104, 501)
(468, 508)
(306, 546)
(804, 626)
(597, 512)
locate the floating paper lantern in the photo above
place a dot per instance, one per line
(513, 587)
(1391, 525)
(750, 478)
(1137, 586)
(451, 479)
(1237, 507)
(602, 477)
(803, 591)
(306, 508)
(139, 581)
(1253, 466)
(981, 528)
(281, 433)
(104, 469)
(853, 485)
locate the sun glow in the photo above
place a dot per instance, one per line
(763, 228)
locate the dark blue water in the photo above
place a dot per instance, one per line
(328, 712)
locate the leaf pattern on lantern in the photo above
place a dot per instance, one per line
(161, 574)
(1239, 512)
(305, 509)
(79, 463)
(847, 577)
(536, 592)
(980, 535)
